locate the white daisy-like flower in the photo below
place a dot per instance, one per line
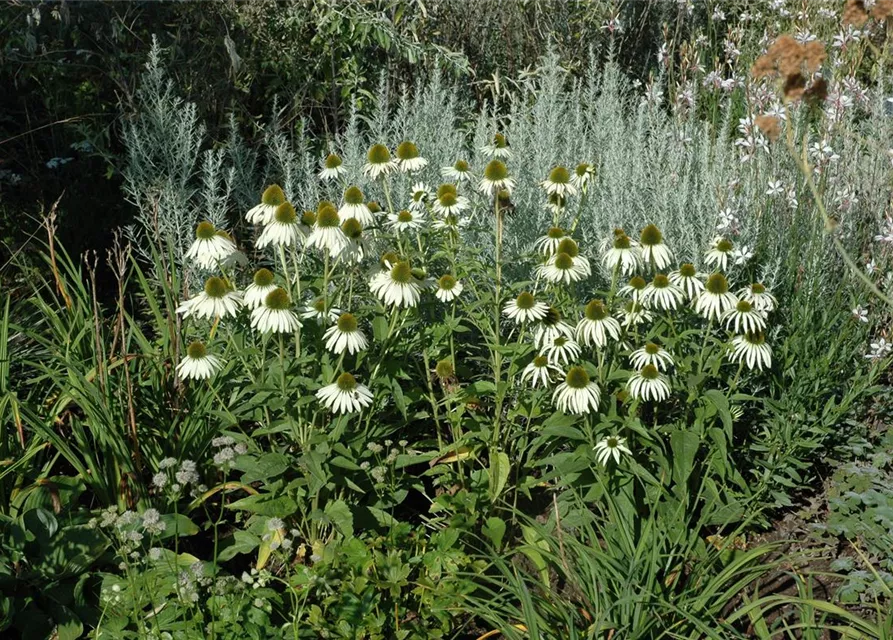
(405, 220)
(752, 349)
(450, 222)
(345, 395)
(317, 311)
(660, 293)
(327, 233)
(540, 372)
(498, 148)
(332, 168)
(216, 300)
(555, 203)
(651, 354)
(198, 364)
(345, 334)
(687, 278)
(649, 384)
(448, 202)
(525, 308)
(551, 327)
(634, 289)
(408, 157)
(715, 299)
(582, 176)
(577, 394)
(448, 288)
(559, 183)
(596, 325)
(459, 172)
(275, 315)
(719, 254)
(561, 350)
(260, 287)
(624, 254)
(496, 178)
(378, 162)
(283, 230)
(396, 286)
(757, 295)
(210, 247)
(610, 448)
(548, 244)
(564, 268)
(744, 318)
(654, 252)
(354, 249)
(355, 207)
(263, 213)
(634, 313)
(420, 194)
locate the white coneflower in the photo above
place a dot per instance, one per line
(448, 288)
(216, 300)
(540, 372)
(623, 255)
(496, 178)
(551, 327)
(662, 293)
(757, 295)
(354, 248)
(396, 286)
(345, 395)
(459, 172)
(283, 230)
(582, 175)
(498, 148)
(450, 203)
(263, 213)
(317, 311)
(355, 207)
(715, 299)
(564, 268)
(651, 354)
(559, 183)
(649, 384)
(198, 364)
(420, 194)
(596, 325)
(275, 314)
(450, 222)
(634, 314)
(561, 350)
(719, 254)
(345, 334)
(555, 203)
(744, 318)
(548, 244)
(332, 168)
(654, 252)
(378, 162)
(257, 291)
(577, 394)
(405, 220)
(327, 233)
(210, 247)
(525, 308)
(408, 157)
(610, 448)
(687, 278)
(752, 349)
(634, 289)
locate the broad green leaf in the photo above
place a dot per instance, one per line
(264, 467)
(685, 446)
(494, 529)
(264, 505)
(500, 467)
(241, 542)
(341, 517)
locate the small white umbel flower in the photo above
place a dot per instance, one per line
(651, 354)
(720, 253)
(525, 308)
(459, 172)
(687, 278)
(332, 168)
(396, 285)
(582, 176)
(210, 247)
(327, 233)
(634, 289)
(660, 293)
(744, 318)
(283, 230)
(654, 252)
(420, 195)
(496, 178)
(198, 364)
(577, 394)
(275, 315)
(448, 288)
(216, 300)
(649, 384)
(540, 372)
(551, 327)
(355, 207)
(559, 183)
(715, 299)
(498, 147)
(264, 212)
(757, 295)
(345, 335)
(378, 162)
(405, 221)
(567, 265)
(260, 287)
(345, 395)
(596, 325)
(751, 348)
(548, 244)
(610, 448)
(624, 254)
(408, 157)
(561, 350)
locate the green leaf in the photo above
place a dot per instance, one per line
(241, 542)
(177, 524)
(685, 446)
(379, 328)
(263, 505)
(495, 530)
(265, 467)
(341, 517)
(500, 466)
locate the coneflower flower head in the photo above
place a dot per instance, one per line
(688, 279)
(448, 288)
(624, 254)
(261, 285)
(577, 394)
(283, 230)
(719, 253)
(217, 300)
(198, 364)
(559, 182)
(345, 395)
(548, 244)
(759, 297)
(408, 157)
(272, 197)
(610, 448)
(654, 251)
(333, 167)
(327, 233)
(496, 178)
(526, 308)
(275, 314)
(345, 335)
(498, 147)
(378, 162)
(355, 207)
(582, 175)
(459, 171)
(715, 299)
(662, 293)
(649, 384)
(744, 318)
(211, 247)
(751, 348)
